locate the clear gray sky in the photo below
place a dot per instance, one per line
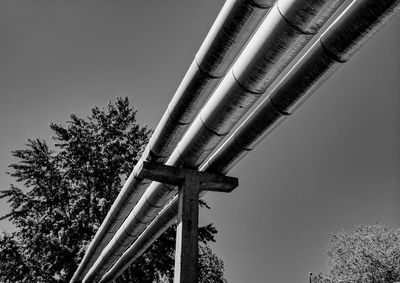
(334, 164)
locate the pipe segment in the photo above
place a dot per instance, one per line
(231, 101)
(230, 32)
(359, 22)
(232, 29)
(347, 34)
(130, 193)
(351, 33)
(161, 223)
(216, 54)
(157, 197)
(289, 26)
(194, 90)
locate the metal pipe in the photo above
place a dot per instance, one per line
(158, 226)
(230, 32)
(279, 35)
(359, 22)
(161, 223)
(277, 41)
(128, 196)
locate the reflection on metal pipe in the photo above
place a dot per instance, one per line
(277, 41)
(360, 21)
(216, 54)
(230, 32)
(128, 196)
(269, 52)
(161, 223)
(232, 29)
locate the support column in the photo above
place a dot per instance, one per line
(187, 244)
(190, 183)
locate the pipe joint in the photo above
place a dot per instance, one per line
(262, 4)
(293, 26)
(332, 54)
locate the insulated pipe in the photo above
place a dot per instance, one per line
(230, 32)
(165, 219)
(359, 22)
(279, 35)
(128, 197)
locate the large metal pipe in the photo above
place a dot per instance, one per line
(233, 27)
(230, 32)
(279, 38)
(359, 22)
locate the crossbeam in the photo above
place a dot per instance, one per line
(190, 183)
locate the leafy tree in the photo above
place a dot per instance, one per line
(371, 253)
(64, 190)
(211, 267)
(319, 278)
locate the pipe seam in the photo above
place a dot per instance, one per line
(293, 26)
(155, 205)
(174, 120)
(234, 139)
(204, 72)
(331, 54)
(243, 87)
(260, 6)
(275, 108)
(210, 130)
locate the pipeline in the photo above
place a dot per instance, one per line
(346, 35)
(288, 27)
(230, 32)
(350, 31)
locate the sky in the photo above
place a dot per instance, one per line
(334, 164)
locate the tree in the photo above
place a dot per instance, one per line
(64, 191)
(371, 253)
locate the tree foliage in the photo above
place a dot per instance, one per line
(369, 254)
(63, 192)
